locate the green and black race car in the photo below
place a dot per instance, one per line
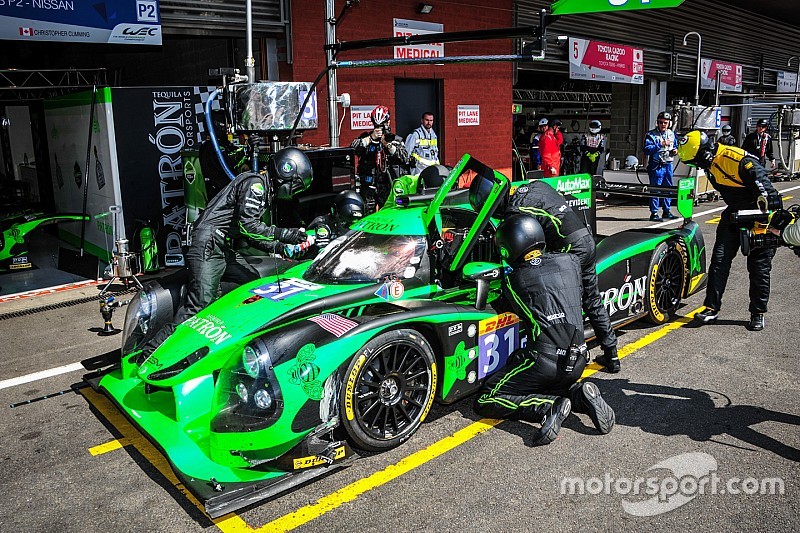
(273, 383)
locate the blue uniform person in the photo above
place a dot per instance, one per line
(660, 146)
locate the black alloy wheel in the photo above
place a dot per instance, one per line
(389, 390)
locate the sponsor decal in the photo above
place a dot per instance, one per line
(498, 337)
(377, 224)
(251, 300)
(153, 361)
(305, 372)
(455, 329)
(659, 316)
(258, 189)
(288, 287)
(624, 297)
(210, 327)
(459, 361)
(316, 460)
(430, 398)
(350, 389)
(391, 290)
(572, 185)
(19, 260)
(555, 316)
(334, 324)
(533, 254)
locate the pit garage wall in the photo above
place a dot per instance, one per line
(485, 84)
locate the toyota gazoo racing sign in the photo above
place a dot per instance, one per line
(598, 61)
(78, 21)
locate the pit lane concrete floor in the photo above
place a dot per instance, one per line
(692, 404)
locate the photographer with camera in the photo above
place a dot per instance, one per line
(382, 157)
(744, 185)
(783, 224)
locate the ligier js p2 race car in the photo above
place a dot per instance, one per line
(273, 383)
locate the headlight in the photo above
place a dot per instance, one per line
(138, 321)
(247, 395)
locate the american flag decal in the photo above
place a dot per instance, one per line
(334, 324)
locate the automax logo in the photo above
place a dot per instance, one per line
(671, 483)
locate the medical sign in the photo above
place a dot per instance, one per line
(77, 21)
(730, 75)
(360, 117)
(787, 81)
(469, 115)
(406, 28)
(598, 61)
(572, 7)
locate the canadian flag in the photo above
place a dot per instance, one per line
(26, 32)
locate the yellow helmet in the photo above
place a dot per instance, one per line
(696, 149)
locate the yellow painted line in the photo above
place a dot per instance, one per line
(787, 198)
(651, 337)
(357, 488)
(108, 447)
(714, 220)
(230, 523)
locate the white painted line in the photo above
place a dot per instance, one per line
(74, 367)
(679, 220)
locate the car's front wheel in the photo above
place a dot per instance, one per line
(388, 390)
(666, 280)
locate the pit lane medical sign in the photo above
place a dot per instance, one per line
(359, 117)
(469, 115)
(79, 21)
(572, 7)
(598, 61)
(405, 28)
(730, 75)
(787, 81)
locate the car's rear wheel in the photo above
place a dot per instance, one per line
(666, 281)
(389, 389)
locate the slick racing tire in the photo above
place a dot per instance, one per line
(388, 390)
(666, 281)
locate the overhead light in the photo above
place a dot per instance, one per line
(424, 9)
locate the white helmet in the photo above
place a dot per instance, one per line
(594, 126)
(631, 162)
(543, 122)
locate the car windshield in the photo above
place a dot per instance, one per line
(359, 257)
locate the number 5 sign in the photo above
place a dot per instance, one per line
(497, 338)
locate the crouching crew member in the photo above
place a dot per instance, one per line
(540, 382)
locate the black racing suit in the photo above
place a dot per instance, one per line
(759, 146)
(728, 140)
(233, 216)
(565, 232)
(546, 293)
(741, 180)
(378, 165)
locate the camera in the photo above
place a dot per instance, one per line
(755, 224)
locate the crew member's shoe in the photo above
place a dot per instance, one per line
(655, 218)
(609, 360)
(599, 411)
(669, 216)
(551, 423)
(707, 315)
(756, 322)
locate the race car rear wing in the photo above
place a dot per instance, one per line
(581, 191)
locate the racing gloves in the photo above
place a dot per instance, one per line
(292, 235)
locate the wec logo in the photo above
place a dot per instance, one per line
(140, 32)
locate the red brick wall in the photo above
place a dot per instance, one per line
(488, 85)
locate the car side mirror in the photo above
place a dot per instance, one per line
(482, 274)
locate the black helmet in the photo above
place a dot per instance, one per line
(292, 171)
(664, 115)
(348, 207)
(517, 236)
(697, 149)
(433, 177)
(763, 122)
